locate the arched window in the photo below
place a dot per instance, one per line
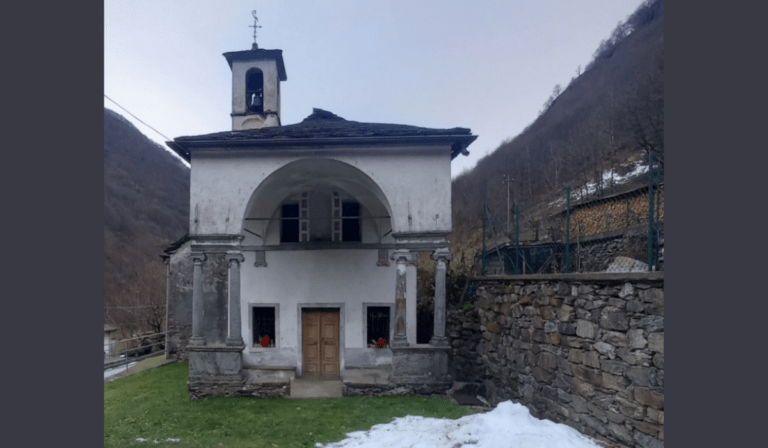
(254, 90)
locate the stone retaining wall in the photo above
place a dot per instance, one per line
(595, 253)
(353, 389)
(236, 386)
(586, 350)
(463, 330)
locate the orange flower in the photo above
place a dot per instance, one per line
(382, 343)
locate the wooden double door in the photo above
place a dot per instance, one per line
(320, 334)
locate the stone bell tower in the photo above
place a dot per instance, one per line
(256, 76)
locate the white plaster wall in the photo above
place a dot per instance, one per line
(416, 182)
(316, 276)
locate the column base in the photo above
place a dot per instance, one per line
(215, 361)
(439, 341)
(197, 341)
(235, 342)
(399, 342)
(420, 364)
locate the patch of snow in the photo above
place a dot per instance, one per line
(509, 425)
(591, 187)
(115, 370)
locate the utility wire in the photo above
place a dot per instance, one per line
(134, 116)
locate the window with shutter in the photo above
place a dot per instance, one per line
(336, 217)
(304, 217)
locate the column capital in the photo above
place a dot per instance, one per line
(403, 256)
(234, 256)
(198, 257)
(442, 253)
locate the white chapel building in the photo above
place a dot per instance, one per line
(300, 257)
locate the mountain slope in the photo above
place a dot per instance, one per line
(146, 208)
(607, 119)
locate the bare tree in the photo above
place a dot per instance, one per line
(644, 118)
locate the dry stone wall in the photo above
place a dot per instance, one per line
(463, 329)
(180, 302)
(586, 350)
(596, 253)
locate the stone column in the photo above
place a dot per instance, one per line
(411, 289)
(198, 338)
(438, 335)
(401, 257)
(235, 335)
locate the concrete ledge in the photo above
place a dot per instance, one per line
(419, 348)
(308, 388)
(361, 377)
(269, 374)
(270, 368)
(215, 348)
(619, 277)
(265, 381)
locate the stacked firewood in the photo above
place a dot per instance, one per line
(615, 214)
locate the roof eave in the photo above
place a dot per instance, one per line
(460, 147)
(459, 143)
(252, 55)
(180, 150)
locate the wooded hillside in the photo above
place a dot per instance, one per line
(146, 208)
(609, 117)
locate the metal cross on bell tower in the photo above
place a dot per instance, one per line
(255, 26)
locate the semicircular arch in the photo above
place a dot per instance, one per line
(310, 173)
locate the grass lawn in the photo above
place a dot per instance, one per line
(155, 404)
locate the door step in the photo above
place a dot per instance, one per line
(315, 388)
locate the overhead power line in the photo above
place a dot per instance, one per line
(150, 127)
(134, 116)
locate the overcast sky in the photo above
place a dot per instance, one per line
(486, 65)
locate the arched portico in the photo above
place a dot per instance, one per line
(325, 177)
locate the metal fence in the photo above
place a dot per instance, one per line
(620, 232)
(138, 348)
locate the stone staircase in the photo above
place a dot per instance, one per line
(316, 387)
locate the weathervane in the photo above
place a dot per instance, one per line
(255, 26)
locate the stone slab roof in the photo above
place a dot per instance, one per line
(259, 53)
(325, 128)
(176, 245)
